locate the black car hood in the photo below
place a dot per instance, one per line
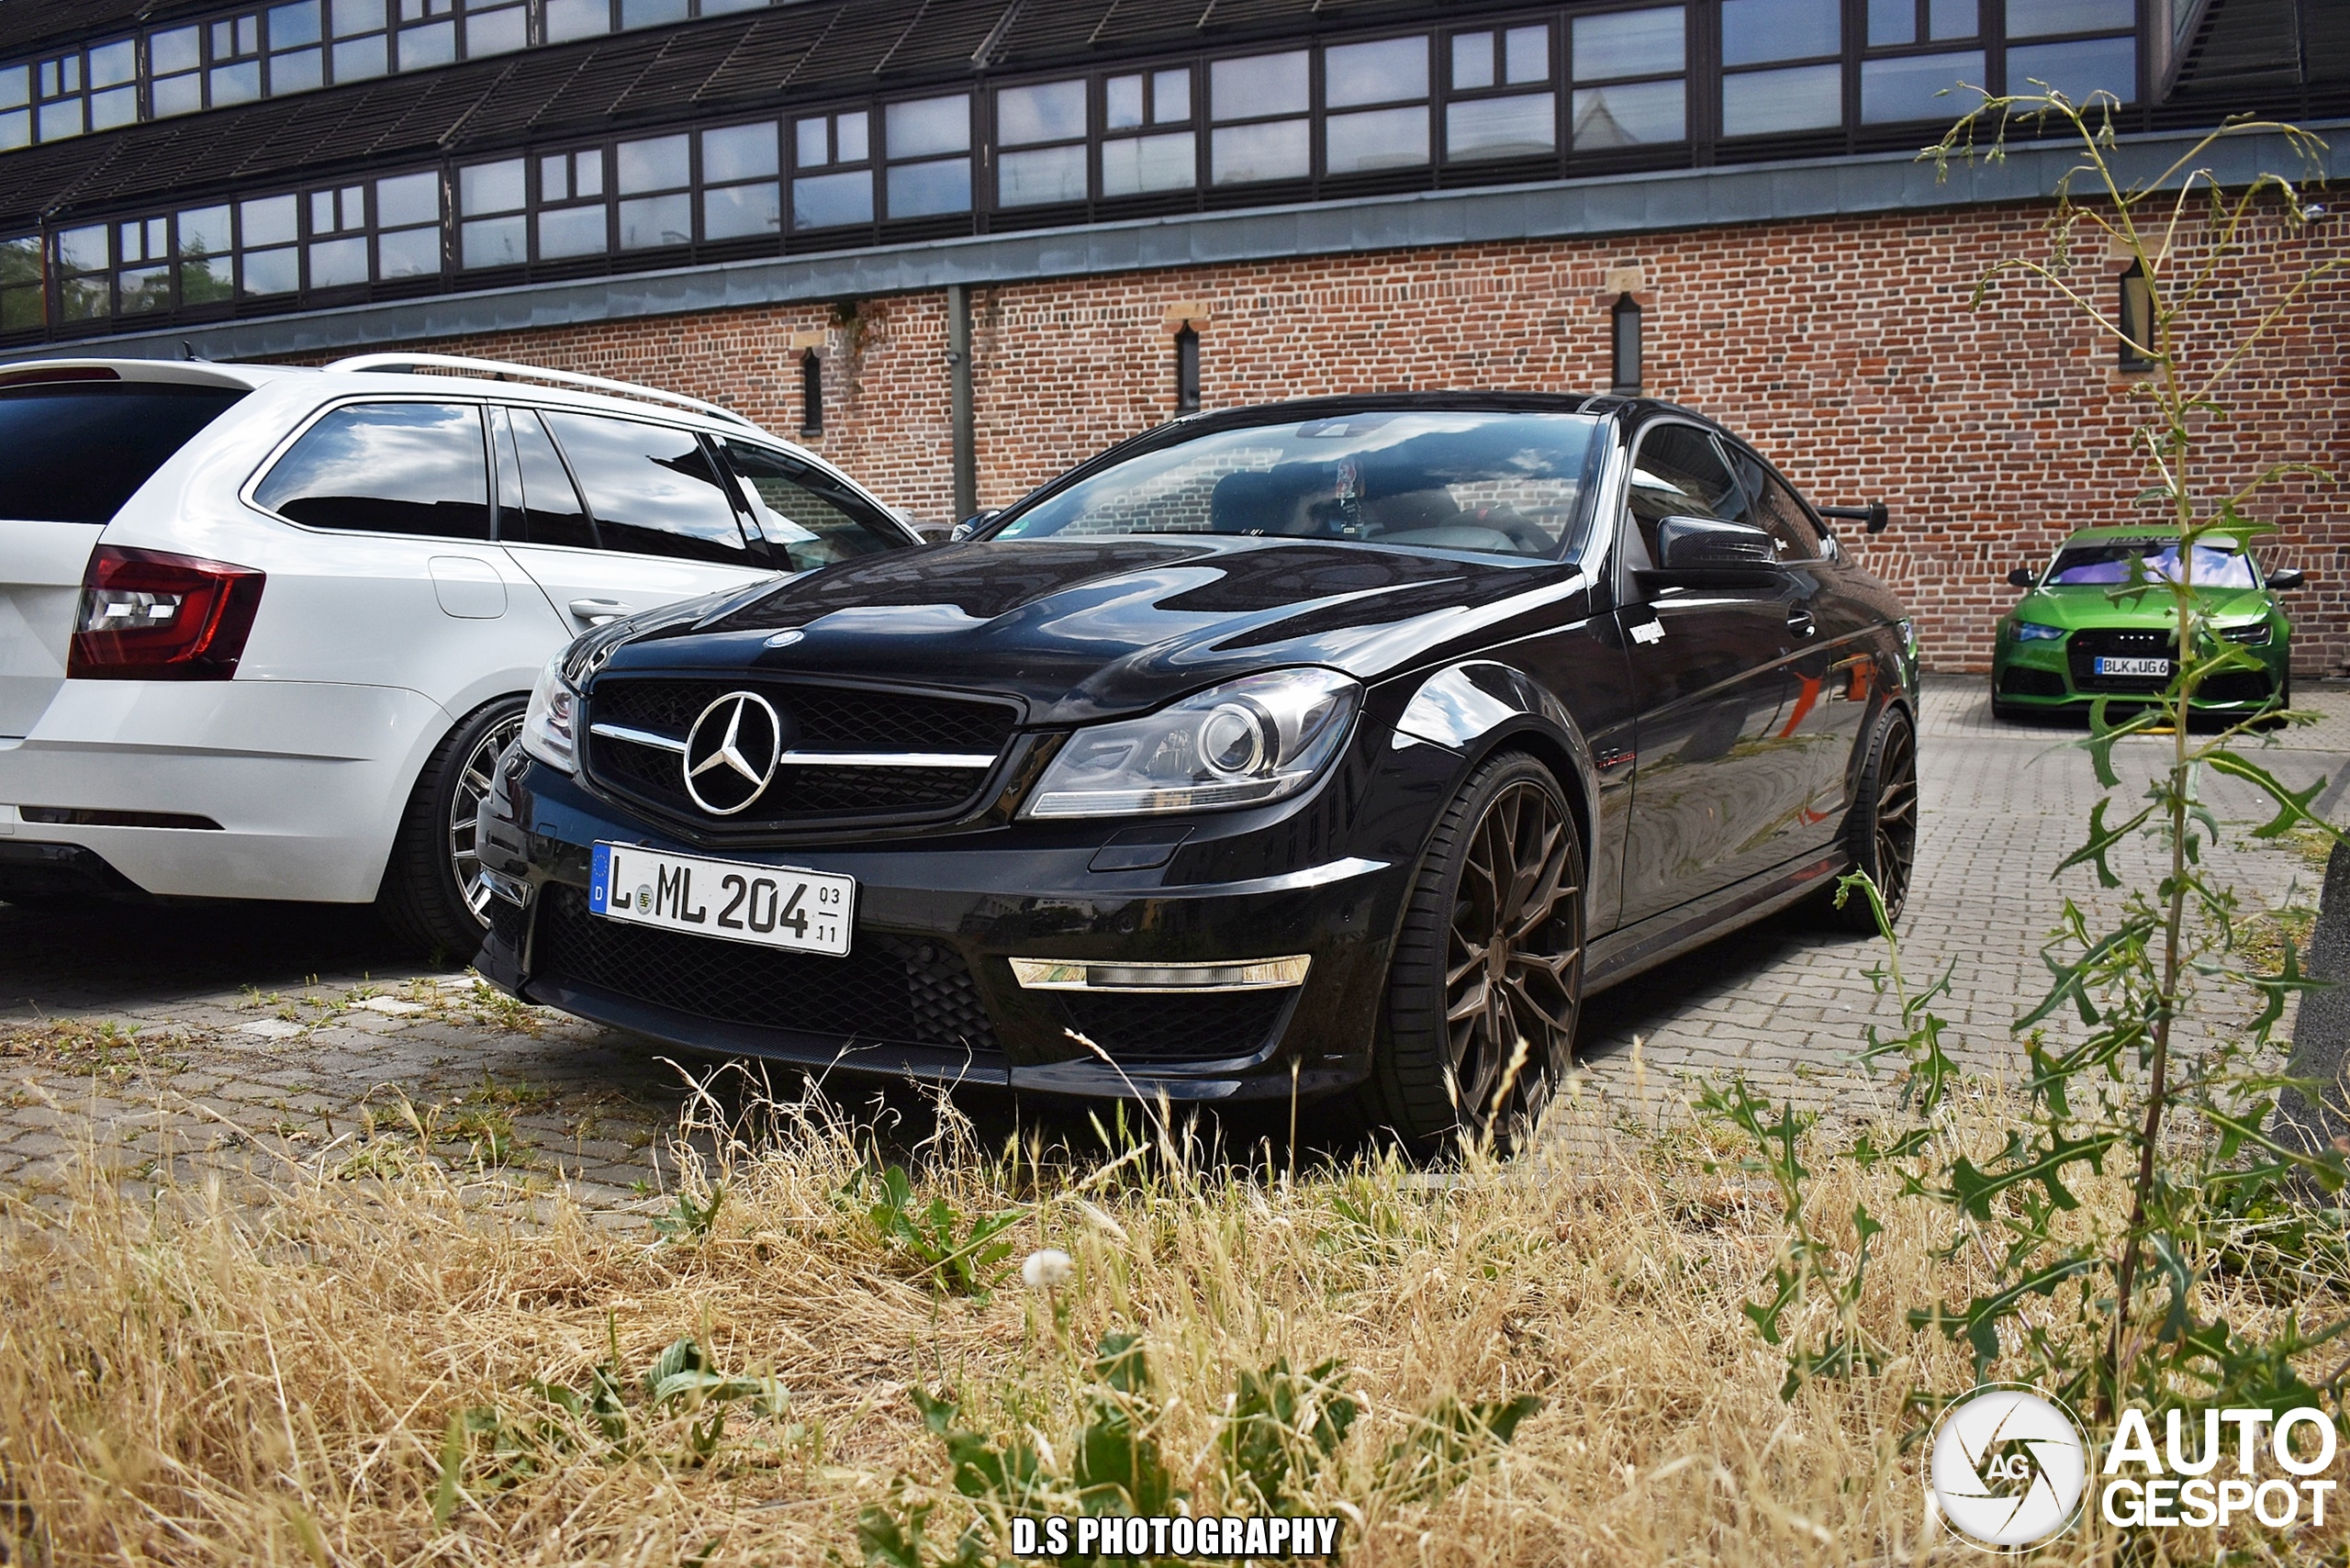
(1078, 629)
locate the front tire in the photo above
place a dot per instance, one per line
(1485, 984)
(432, 895)
(1880, 834)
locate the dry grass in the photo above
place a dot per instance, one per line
(185, 1380)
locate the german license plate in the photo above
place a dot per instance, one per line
(769, 906)
(2133, 666)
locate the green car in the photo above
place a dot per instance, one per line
(2070, 641)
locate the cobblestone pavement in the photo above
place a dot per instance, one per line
(187, 1040)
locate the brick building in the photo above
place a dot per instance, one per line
(959, 245)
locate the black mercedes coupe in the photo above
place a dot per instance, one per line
(1333, 748)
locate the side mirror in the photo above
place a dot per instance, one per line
(2023, 578)
(1708, 552)
(2285, 577)
(970, 525)
(1873, 517)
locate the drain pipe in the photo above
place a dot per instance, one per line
(958, 365)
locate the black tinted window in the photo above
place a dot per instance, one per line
(546, 503)
(1776, 509)
(806, 518)
(75, 453)
(1678, 473)
(387, 468)
(652, 488)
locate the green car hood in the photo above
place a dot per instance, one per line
(2075, 608)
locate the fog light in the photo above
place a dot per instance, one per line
(1077, 974)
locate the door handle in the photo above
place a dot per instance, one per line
(595, 612)
(1799, 621)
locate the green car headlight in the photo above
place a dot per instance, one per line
(2033, 632)
(2256, 634)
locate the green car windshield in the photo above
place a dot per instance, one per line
(1499, 483)
(2106, 563)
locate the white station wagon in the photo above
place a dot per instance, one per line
(263, 631)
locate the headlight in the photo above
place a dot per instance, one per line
(2033, 632)
(2256, 632)
(1256, 739)
(548, 728)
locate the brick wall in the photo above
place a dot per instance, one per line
(1847, 350)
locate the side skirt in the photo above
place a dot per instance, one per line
(1661, 938)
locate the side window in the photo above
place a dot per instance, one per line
(1676, 471)
(545, 505)
(1776, 509)
(387, 468)
(807, 519)
(651, 489)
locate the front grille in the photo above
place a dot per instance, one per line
(2020, 681)
(2234, 685)
(896, 989)
(822, 719)
(2083, 649)
(1172, 1027)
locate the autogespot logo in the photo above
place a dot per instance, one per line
(2007, 1466)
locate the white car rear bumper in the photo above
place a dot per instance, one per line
(306, 780)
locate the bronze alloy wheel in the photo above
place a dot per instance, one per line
(1486, 980)
(1881, 835)
(473, 786)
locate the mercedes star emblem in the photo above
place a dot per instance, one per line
(730, 753)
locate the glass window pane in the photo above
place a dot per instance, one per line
(650, 222)
(238, 83)
(851, 142)
(1278, 150)
(424, 46)
(929, 124)
(2079, 69)
(1952, 19)
(1375, 139)
(143, 289)
(173, 51)
(651, 13)
(1779, 29)
(1758, 102)
(1893, 21)
(176, 96)
(810, 139)
(117, 106)
(339, 264)
(572, 231)
(272, 272)
(1131, 166)
(359, 58)
(1122, 102)
(61, 119)
(551, 514)
(85, 299)
(408, 253)
(1630, 114)
(16, 87)
(493, 242)
(730, 212)
(299, 72)
(1377, 72)
(739, 153)
(659, 163)
(652, 488)
(294, 24)
(577, 18)
(1050, 111)
(2040, 17)
(1473, 60)
(408, 199)
(414, 469)
(20, 309)
(1526, 55)
(1171, 97)
(270, 220)
(919, 190)
(1042, 174)
(1905, 87)
(204, 232)
(353, 17)
(491, 187)
(830, 199)
(1501, 128)
(112, 64)
(1262, 84)
(813, 520)
(1630, 43)
(83, 250)
(499, 32)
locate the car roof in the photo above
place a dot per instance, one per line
(2105, 533)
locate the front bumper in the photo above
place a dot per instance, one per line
(929, 990)
(2040, 675)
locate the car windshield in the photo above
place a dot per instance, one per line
(1504, 484)
(2106, 564)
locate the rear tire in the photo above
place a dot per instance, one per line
(433, 897)
(1880, 834)
(1485, 983)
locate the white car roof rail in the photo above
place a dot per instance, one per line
(396, 363)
